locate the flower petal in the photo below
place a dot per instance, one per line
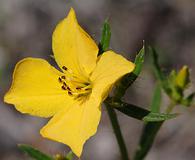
(75, 126)
(73, 47)
(35, 88)
(109, 69)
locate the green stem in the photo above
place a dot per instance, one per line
(148, 136)
(117, 131)
(149, 133)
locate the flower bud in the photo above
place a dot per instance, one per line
(182, 79)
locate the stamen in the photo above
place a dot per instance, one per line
(65, 68)
(63, 87)
(70, 93)
(82, 92)
(74, 85)
(68, 88)
(86, 87)
(64, 83)
(73, 76)
(60, 80)
(63, 77)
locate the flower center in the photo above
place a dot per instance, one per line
(76, 86)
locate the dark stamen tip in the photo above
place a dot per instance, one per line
(59, 79)
(64, 68)
(68, 88)
(70, 93)
(63, 77)
(63, 87)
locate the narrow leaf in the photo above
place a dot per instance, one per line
(156, 117)
(156, 100)
(158, 72)
(105, 38)
(34, 153)
(139, 60)
(128, 109)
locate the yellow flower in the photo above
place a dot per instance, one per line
(72, 96)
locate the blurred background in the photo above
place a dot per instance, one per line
(26, 28)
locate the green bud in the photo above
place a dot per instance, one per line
(58, 157)
(172, 76)
(175, 91)
(68, 156)
(183, 78)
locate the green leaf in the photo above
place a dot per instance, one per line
(127, 109)
(157, 117)
(139, 60)
(105, 38)
(158, 72)
(156, 100)
(34, 153)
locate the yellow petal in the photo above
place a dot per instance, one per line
(73, 47)
(35, 88)
(109, 69)
(75, 126)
